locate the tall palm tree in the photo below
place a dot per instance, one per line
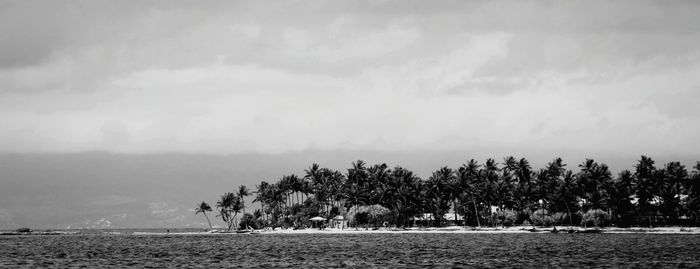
(593, 178)
(620, 196)
(674, 174)
(225, 206)
(488, 177)
(645, 186)
(243, 191)
(438, 193)
(262, 195)
(566, 194)
(468, 177)
(523, 191)
(236, 208)
(203, 207)
(692, 190)
(356, 177)
(377, 178)
(550, 189)
(318, 179)
(275, 200)
(402, 195)
(297, 186)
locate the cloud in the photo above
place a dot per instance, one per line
(384, 75)
(162, 210)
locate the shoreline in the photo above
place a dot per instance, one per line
(506, 230)
(432, 230)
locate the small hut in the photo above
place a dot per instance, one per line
(339, 222)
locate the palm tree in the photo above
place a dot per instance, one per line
(468, 177)
(262, 195)
(645, 186)
(377, 176)
(356, 177)
(203, 207)
(402, 195)
(567, 194)
(243, 191)
(692, 190)
(551, 189)
(674, 174)
(593, 179)
(524, 189)
(620, 196)
(488, 177)
(319, 182)
(225, 206)
(236, 207)
(503, 186)
(275, 200)
(438, 193)
(297, 186)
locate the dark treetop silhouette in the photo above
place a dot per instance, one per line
(492, 193)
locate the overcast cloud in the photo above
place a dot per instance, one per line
(280, 76)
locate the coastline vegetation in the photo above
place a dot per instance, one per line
(491, 193)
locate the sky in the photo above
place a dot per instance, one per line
(125, 114)
(226, 77)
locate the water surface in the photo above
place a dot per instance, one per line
(353, 250)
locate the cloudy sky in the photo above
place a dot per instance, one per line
(150, 107)
(285, 76)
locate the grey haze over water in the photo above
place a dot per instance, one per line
(107, 190)
(127, 113)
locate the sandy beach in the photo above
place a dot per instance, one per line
(515, 229)
(441, 230)
(448, 230)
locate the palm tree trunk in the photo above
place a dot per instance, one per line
(571, 221)
(262, 208)
(500, 207)
(454, 204)
(491, 216)
(234, 220)
(476, 213)
(205, 215)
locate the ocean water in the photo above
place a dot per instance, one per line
(402, 250)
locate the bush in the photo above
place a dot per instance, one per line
(596, 217)
(248, 220)
(24, 230)
(507, 217)
(560, 218)
(361, 218)
(541, 217)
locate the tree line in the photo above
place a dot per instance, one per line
(491, 193)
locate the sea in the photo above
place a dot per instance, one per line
(119, 249)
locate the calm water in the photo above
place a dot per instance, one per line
(353, 250)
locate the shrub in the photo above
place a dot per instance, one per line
(361, 218)
(596, 217)
(248, 220)
(560, 218)
(506, 217)
(541, 217)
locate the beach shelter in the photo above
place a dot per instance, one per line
(339, 222)
(317, 219)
